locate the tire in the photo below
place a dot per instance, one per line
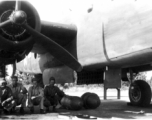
(140, 93)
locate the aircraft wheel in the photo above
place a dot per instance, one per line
(140, 93)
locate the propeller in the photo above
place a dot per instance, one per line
(17, 5)
(55, 49)
(17, 8)
(7, 22)
(19, 17)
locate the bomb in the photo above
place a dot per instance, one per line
(90, 100)
(72, 102)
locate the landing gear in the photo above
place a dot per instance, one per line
(140, 93)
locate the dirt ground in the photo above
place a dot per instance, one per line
(112, 108)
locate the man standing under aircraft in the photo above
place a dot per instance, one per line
(35, 96)
(6, 97)
(19, 94)
(52, 94)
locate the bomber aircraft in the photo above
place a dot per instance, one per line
(99, 39)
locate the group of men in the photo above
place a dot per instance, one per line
(16, 94)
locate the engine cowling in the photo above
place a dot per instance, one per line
(16, 41)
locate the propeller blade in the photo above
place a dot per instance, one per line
(5, 23)
(55, 49)
(17, 5)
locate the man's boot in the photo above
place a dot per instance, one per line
(53, 109)
(47, 109)
(42, 111)
(21, 110)
(6, 112)
(32, 110)
(13, 111)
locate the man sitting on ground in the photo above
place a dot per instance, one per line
(19, 94)
(35, 96)
(52, 94)
(6, 96)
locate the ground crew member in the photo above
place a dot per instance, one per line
(35, 96)
(52, 95)
(19, 94)
(6, 96)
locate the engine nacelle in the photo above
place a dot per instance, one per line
(16, 42)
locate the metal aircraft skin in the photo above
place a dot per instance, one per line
(98, 33)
